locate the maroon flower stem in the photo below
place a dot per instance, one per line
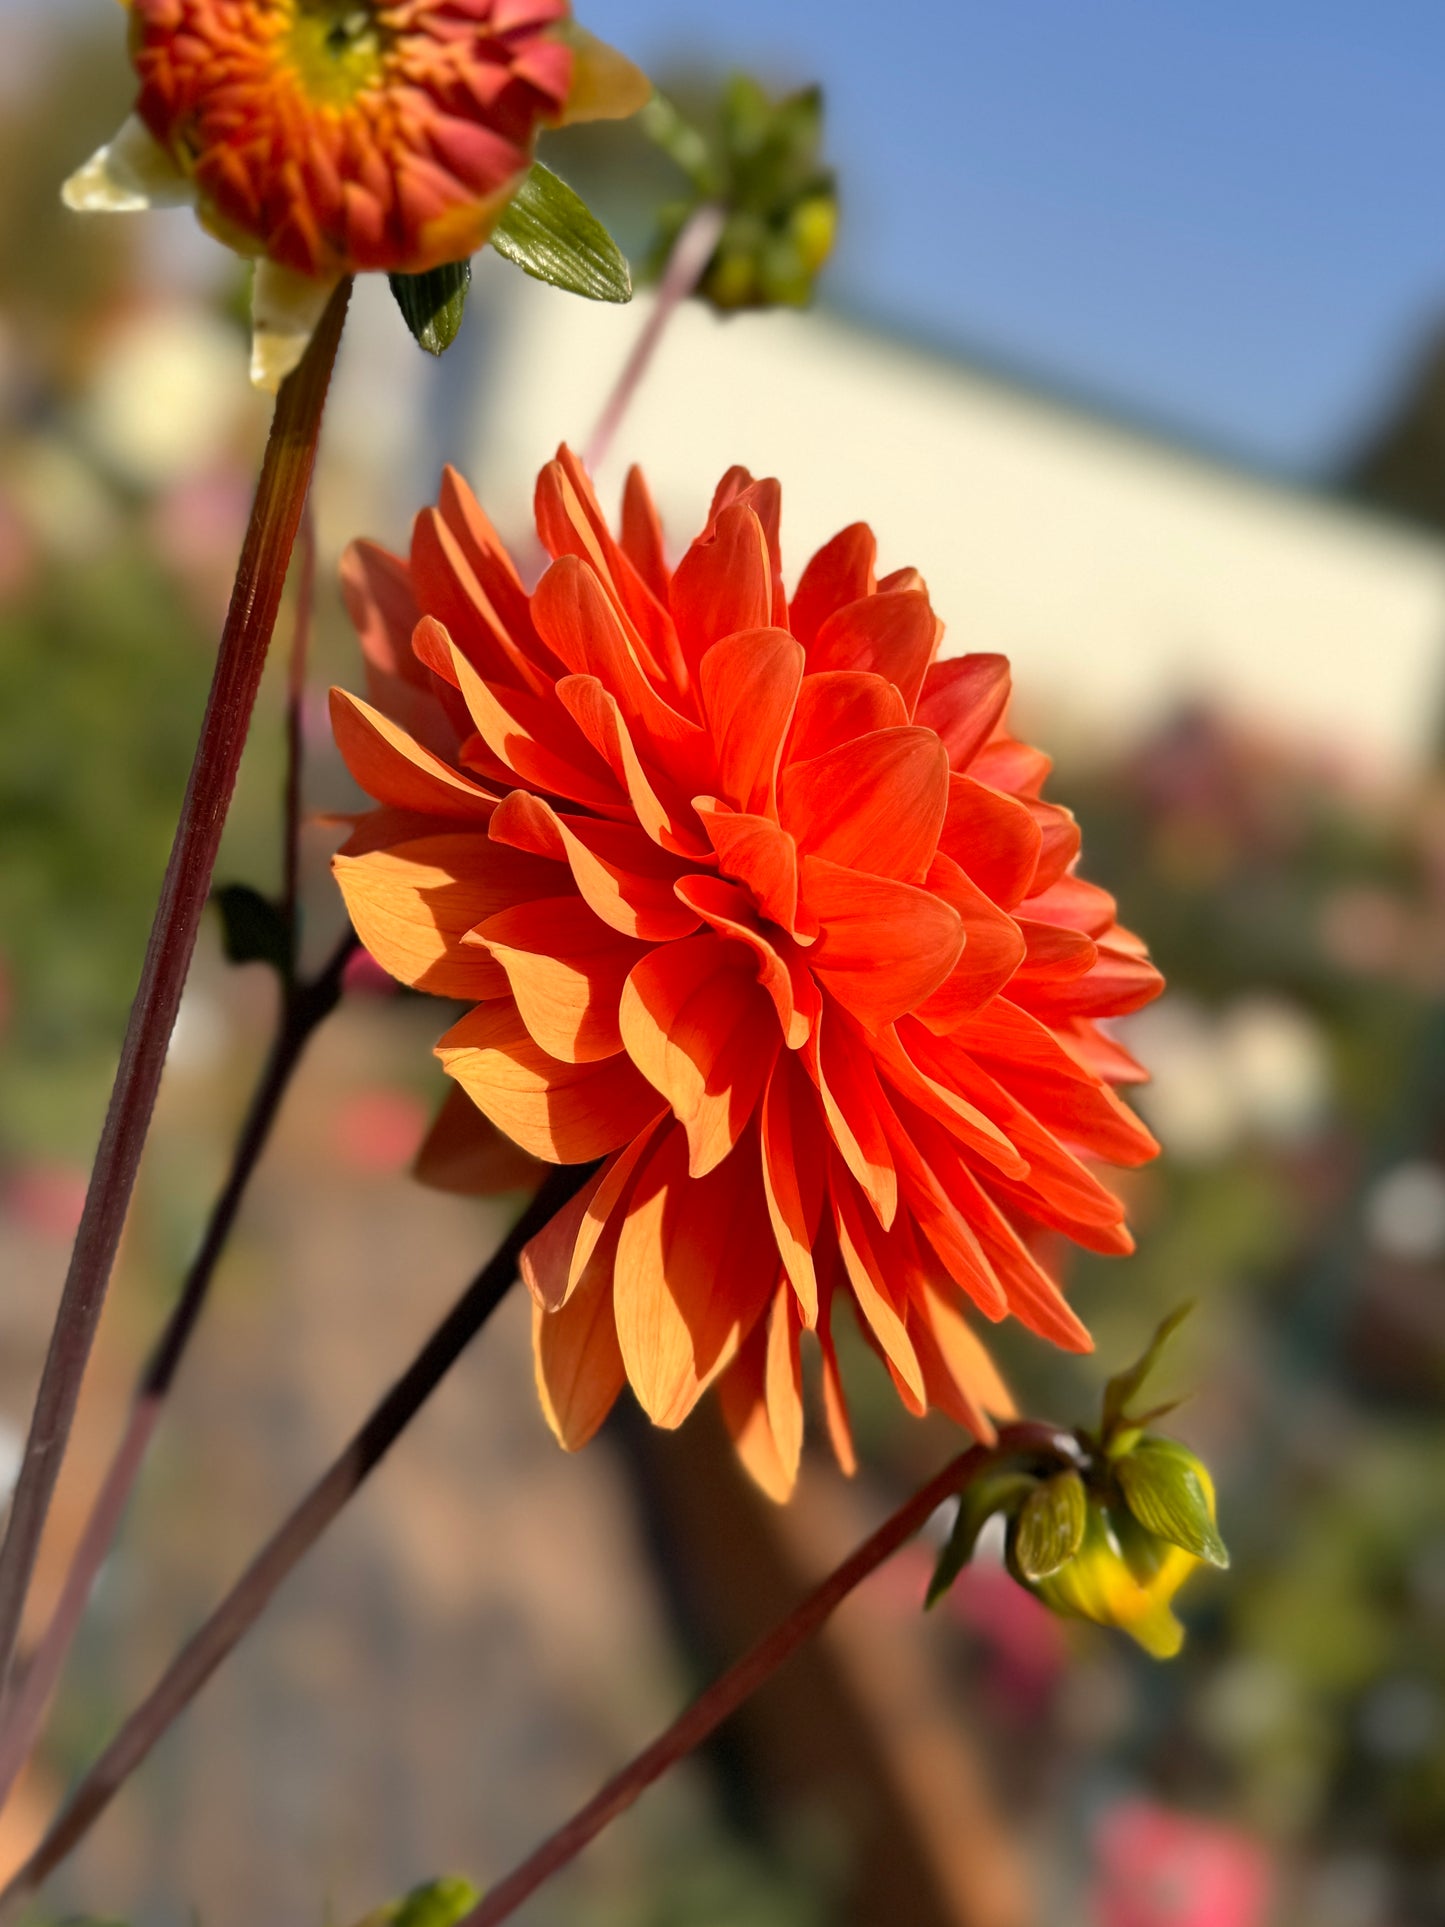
(691, 253)
(753, 1670)
(281, 491)
(251, 1594)
(306, 1006)
(296, 727)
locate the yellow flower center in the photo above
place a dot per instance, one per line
(336, 48)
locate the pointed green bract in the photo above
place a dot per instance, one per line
(1050, 1526)
(432, 304)
(550, 233)
(983, 1496)
(1126, 1384)
(1169, 1493)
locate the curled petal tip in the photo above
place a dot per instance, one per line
(605, 85)
(130, 173)
(285, 309)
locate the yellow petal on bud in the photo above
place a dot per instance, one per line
(130, 173)
(606, 85)
(285, 310)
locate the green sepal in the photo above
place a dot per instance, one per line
(1124, 1385)
(1168, 1492)
(990, 1492)
(1049, 1528)
(550, 233)
(253, 929)
(432, 304)
(437, 1903)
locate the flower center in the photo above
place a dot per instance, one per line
(336, 49)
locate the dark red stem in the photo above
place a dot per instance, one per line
(260, 575)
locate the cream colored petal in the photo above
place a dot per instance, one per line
(605, 83)
(285, 308)
(131, 172)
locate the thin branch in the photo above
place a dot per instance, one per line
(691, 253)
(248, 1598)
(306, 1007)
(285, 477)
(753, 1670)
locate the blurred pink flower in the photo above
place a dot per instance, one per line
(46, 1199)
(380, 1130)
(1159, 1868)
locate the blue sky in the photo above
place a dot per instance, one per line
(1225, 215)
(1229, 217)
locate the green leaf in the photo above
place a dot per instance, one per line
(1166, 1489)
(432, 304)
(1050, 1526)
(253, 930)
(1124, 1385)
(551, 233)
(990, 1492)
(440, 1903)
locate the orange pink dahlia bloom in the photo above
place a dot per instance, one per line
(330, 137)
(757, 902)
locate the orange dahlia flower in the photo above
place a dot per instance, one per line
(331, 137)
(758, 903)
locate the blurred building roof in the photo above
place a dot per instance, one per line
(1122, 572)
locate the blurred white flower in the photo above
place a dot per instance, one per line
(1405, 1212)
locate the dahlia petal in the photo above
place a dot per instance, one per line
(738, 489)
(841, 1066)
(1009, 765)
(964, 700)
(388, 765)
(447, 586)
(1034, 1298)
(660, 811)
(876, 804)
(642, 535)
(603, 84)
(412, 905)
(1058, 1190)
(1120, 981)
(693, 1274)
(286, 309)
(841, 572)
(958, 1374)
(889, 635)
(835, 1397)
(837, 706)
(546, 1259)
(1053, 957)
(536, 738)
(928, 1168)
(130, 173)
(694, 1022)
(961, 1119)
(570, 522)
(742, 1394)
(1076, 905)
(486, 554)
(623, 876)
(1060, 845)
(1068, 1100)
(783, 1380)
(759, 854)
(749, 683)
(578, 1362)
(1100, 1054)
(872, 1289)
(793, 1178)
(605, 1201)
(565, 1113)
(376, 587)
(723, 584)
(577, 617)
(566, 969)
(466, 1153)
(780, 970)
(993, 838)
(993, 948)
(883, 947)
